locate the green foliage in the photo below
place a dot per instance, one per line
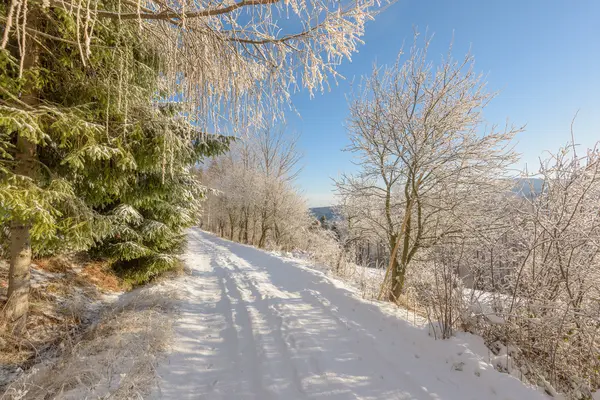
(114, 166)
(162, 198)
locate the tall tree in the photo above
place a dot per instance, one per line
(417, 132)
(162, 196)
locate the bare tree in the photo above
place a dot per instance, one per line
(416, 130)
(278, 159)
(255, 181)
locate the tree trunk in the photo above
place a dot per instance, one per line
(390, 270)
(253, 237)
(263, 238)
(395, 288)
(277, 234)
(15, 310)
(18, 276)
(399, 268)
(246, 226)
(231, 226)
(398, 273)
(241, 232)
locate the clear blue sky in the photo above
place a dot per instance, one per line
(542, 55)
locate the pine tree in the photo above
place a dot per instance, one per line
(108, 168)
(45, 107)
(164, 196)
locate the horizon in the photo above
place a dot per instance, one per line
(533, 180)
(539, 56)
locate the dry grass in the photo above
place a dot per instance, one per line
(53, 264)
(115, 357)
(65, 295)
(88, 272)
(100, 275)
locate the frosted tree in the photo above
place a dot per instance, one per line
(416, 131)
(553, 312)
(256, 193)
(278, 159)
(217, 57)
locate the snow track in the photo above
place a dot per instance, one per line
(256, 326)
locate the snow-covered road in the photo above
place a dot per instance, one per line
(256, 326)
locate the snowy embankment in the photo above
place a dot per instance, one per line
(256, 326)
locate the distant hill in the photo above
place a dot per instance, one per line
(527, 187)
(523, 187)
(328, 212)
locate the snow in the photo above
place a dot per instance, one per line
(486, 304)
(253, 325)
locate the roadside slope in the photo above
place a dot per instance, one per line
(256, 326)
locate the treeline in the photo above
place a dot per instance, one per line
(253, 198)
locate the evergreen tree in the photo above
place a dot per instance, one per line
(323, 221)
(108, 168)
(164, 196)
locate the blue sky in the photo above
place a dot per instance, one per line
(542, 55)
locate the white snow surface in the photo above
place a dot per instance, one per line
(256, 326)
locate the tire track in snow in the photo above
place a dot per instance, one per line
(229, 333)
(317, 372)
(287, 321)
(317, 369)
(248, 352)
(268, 313)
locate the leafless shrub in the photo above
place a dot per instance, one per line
(553, 315)
(532, 271)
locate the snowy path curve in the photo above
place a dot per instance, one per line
(256, 326)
